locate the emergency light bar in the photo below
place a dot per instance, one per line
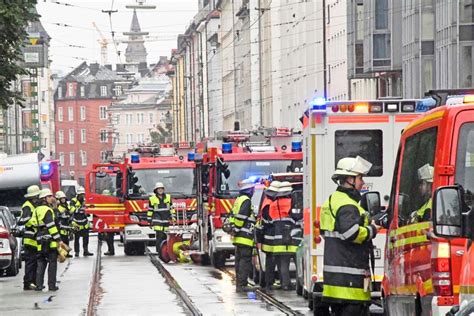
(373, 106)
(191, 156)
(226, 148)
(134, 158)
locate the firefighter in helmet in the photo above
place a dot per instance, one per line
(108, 236)
(63, 217)
(243, 221)
(160, 211)
(425, 183)
(29, 236)
(80, 223)
(348, 234)
(48, 239)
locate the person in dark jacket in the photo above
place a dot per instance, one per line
(243, 220)
(80, 223)
(348, 235)
(29, 237)
(160, 212)
(63, 217)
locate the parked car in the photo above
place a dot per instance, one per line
(10, 246)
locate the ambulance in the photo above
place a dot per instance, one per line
(336, 129)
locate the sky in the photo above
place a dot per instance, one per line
(78, 41)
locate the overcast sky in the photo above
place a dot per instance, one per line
(169, 19)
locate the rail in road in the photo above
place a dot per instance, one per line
(174, 285)
(95, 282)
(268, 298)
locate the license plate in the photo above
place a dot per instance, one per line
(377, 253)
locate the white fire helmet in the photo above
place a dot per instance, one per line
(352, 167)
(426, 173)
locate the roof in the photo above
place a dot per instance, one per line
(135, 27)
(94, 72)
(152, 103)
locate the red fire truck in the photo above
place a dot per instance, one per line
(220, 165)
(423, 266)
(117, 193)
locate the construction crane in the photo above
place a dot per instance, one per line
(103, 44)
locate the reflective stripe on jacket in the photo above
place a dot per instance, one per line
(27, 212)
(46, 227)
(346, 230)
(244, 221)
(159, 212)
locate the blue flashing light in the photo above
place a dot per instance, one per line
(226, 148)
(134, 158)
(425, 105)
(318, 105)
(296, 146)
(191, 156)
(45, 168)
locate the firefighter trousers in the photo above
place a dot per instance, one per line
(109, 238)
(65, 239)
(350, 309)
(31, 264)
(47, 259)
(160, 237)
(84, 233)
(283, 264)
(243, 265)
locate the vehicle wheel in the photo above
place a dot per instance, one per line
(305, 294)
(13, 269)
(205, 260)
(128, 249)
(140, 249)
(218, 259)
(299, 287)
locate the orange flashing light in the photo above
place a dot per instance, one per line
(469, 99)
(361, 108)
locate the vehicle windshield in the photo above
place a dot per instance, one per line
(465, 162)
(239, 170)
(176, 181)
(13, 199)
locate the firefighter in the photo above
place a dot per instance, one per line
(48, 240)
(348, 234)
(80, 223)
(243, 221)
(63, 217)
(109, 236)
(160, 211)
(425, 183)
(281, 234)
(29, 236)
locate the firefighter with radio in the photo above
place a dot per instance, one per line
(243, 222)
(63, 217)
(29, 236)
(48, 240)
(80, 223)
(425, 178)
(160, 212)
(348, 234)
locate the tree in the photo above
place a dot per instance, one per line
(160, 135)
(14, 18)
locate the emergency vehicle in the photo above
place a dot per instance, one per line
(221, 164)
(117, 193)
(425, 272)
(334, 130)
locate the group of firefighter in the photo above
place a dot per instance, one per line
(50, 222)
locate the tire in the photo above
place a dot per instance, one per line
(218, 260)
(140, 248)
(14, 267)
(128, 249)
(305, 294)
(299, 287)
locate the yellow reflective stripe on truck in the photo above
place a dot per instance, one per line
(420, 230)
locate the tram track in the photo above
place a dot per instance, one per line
(268, 298)
(95, 291)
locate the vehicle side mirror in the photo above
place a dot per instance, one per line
(447, 211)
(371, 203)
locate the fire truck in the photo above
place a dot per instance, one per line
(221, 164)
(430, 220)
(117, 193)
(337, 129)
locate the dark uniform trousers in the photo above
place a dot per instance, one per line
(160, 237)
(109, 238)
(349, 309)
(243, 264)
(49, 259)
(31, 264)
(283, 263)
(84, 233)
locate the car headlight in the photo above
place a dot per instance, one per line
(133, 232)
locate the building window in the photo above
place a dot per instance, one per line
(103, 112)
(70, 113)
(103, 91)
(140, 118)
(60, 92)
(381, 14)
(83, 91)
(103, 135)
(72, 158)
(83, 136)
(152, 118)
(60, 114)
(61, 137)
(141, 138)
(466, 11)
(359, 22)
(129, 119)
(70, 90)
(103, 156)
(381, 46)
(118, 91)
(129, 139)
(83, 158)
(83, 113)
(71, 136)
(61, 159)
